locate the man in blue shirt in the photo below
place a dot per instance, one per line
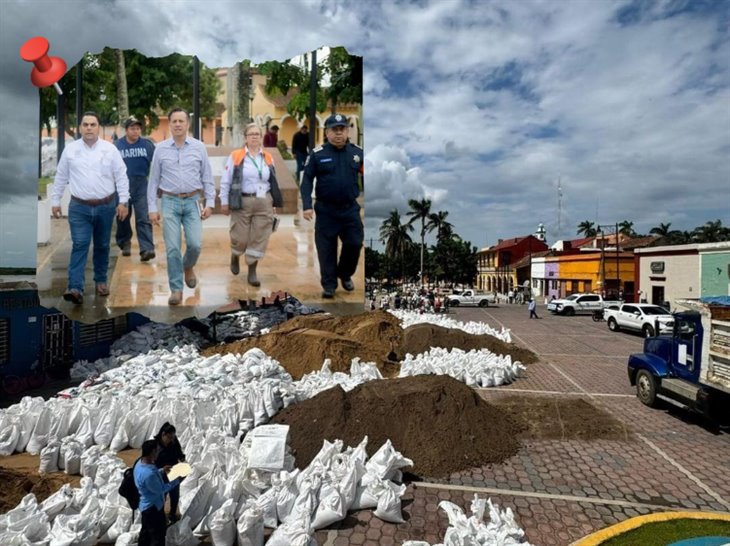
(137, 154)
(152, 490)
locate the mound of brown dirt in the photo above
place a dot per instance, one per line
(17, 484)
(567, 418)
(302, 344)
(438, 422)
(419, 338)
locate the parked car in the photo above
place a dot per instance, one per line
(470, 297)
(646, 318)
(580, 304)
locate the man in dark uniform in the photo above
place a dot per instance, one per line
(336, 165)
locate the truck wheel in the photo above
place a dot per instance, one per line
(484, 303)
(646, 388)
(455, 303)
(570, 311)
(648, 330)
(613, 325)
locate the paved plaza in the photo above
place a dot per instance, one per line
(562, 490)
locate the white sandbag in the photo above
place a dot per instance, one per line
(16, 519)
(130, 538)
(8, 439)
(331, 508)
(250, 528)
(12, 538)
(287, 492)
(72, 457)
(364, 498)
(37, 530)
(106, 427)
(73, 531)
(107, 517)
(194, 505)
(90, 461)
(266, 503)
(223, 526)
(39, 438)
(389, 505)
(180, 534)
(121, 525)
(85, 433)
(120, 440)
(136, 427)
(57, 502)
(296, 532)
(386, 461)
(49, 457)
(349, 475)
(268, 447)
(60, 421)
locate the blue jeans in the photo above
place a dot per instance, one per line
(177, 213)
(138, 202)
(87, 222)
(301, 160)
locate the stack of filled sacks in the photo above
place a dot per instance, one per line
(409, 318)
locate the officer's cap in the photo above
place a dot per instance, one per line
(336, 120)
(132, 121)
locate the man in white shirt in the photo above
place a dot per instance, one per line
(97, 178)
(180, 172)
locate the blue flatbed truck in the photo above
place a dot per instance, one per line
(690, 365)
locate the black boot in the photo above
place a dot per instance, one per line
(252, 280)
(235, 269)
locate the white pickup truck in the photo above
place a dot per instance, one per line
(470, 297)
(580, 304)
(640, 317)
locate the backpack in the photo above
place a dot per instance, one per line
(128, 489)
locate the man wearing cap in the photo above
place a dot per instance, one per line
(137, 154)
(336, 165)
(180, 173)
(97, 177)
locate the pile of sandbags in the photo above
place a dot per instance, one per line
(409, 318)
(476, 368)
(502, 530)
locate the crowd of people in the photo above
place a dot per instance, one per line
(129, 176)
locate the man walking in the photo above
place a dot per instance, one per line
(300, 147)
(97, 178)
(336, 165)
(152, 489)
(271, 138)
(137, 154)
(180, 172)
(531, 307)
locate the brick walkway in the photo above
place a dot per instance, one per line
(561, 490)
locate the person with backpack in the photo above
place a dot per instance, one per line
(250, 195)
(152, 489)
(169, 454)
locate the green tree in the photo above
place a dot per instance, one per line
(444, 229)
(396, 238)
(662, 229)
(587, 229)
(711, 232)
(345, 81)
(420, 210)
(626, 228)
(154, 84)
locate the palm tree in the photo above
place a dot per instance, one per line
(626, 228)
(395, 236)
(711, 232)
(420, 210)
(662, 229)
(587, 229)
(444, 229)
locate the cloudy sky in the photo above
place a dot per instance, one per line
(480, 106)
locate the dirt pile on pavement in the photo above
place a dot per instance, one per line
(17, 484)
(419, 338)
(438, 422)
(302, 343)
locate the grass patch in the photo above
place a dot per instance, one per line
(42, 183)
(667, 532)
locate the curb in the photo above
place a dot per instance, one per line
(595, 539)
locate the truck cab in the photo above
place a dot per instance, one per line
(691, 365)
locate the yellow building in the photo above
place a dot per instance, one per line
(590, 272)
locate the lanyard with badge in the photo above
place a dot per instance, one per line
(260, 185)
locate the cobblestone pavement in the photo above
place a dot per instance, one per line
(562, 490)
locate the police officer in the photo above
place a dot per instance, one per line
(336, 166)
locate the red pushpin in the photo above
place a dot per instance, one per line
(48, 70)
